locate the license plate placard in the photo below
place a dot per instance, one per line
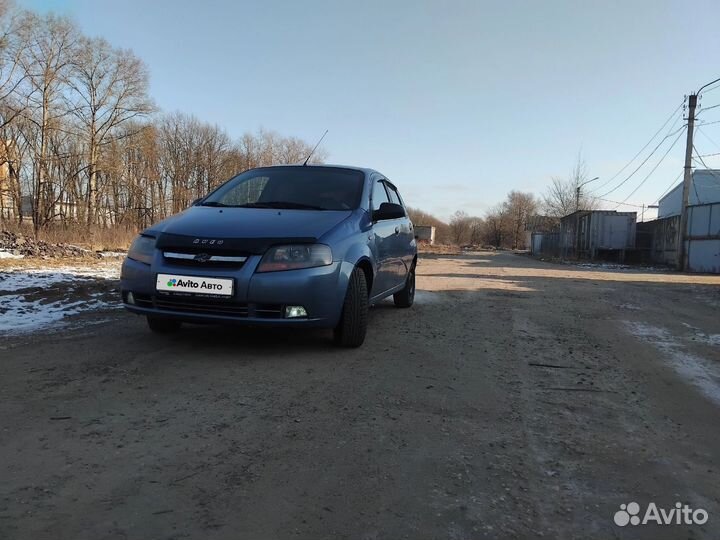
(175, 283)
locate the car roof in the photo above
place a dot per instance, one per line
(365, 170)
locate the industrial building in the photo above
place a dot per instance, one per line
(660, 237)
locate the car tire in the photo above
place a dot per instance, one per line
(350, 331)
(406, 297)
(160, 325)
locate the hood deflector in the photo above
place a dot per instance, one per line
(255, 246)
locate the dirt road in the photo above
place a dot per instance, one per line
(515, 399)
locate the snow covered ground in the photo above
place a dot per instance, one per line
(37, 298)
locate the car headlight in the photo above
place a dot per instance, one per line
(294, 257)
(142, 249)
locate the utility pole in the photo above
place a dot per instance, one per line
(683, 236)
(687, 180)
(577, 198)
(577, 192)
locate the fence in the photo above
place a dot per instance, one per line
(545, 244)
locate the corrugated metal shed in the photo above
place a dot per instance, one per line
(705, 189)
(590, 233)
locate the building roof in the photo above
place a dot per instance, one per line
(704, 189)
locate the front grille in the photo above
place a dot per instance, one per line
(268, 311)
(143, 300)
(211, 306)
(201, 306)
(207, 306)
(207, 259)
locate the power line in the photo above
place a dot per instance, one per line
(621, 203)
(711, 89)
(644, 161)
(701, 131)
(707, 123)
(642, 149)
(654, 168)
(703, 109)
(708, 169)
(697, 195)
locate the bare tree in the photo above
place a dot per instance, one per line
(560, 198)
(15, 34)
(110, 88)
(519, 208)
(476, 229)
(496, 225)
(78, 137)
(46, 64)
(459, 226)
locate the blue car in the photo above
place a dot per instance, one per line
(298, 245)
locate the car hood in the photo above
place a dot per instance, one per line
(250, 229)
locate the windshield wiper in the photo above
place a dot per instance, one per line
(282, 204)
(213, 203)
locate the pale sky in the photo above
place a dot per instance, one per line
(456, 102)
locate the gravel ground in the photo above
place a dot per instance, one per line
(516, 399)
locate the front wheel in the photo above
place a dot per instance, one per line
(160, 325)
(350, 331)
(406, 297)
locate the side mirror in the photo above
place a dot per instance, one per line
(388, 211)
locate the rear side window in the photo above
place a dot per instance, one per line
(392, 192)
(379, 195)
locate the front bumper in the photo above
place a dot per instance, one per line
(258, 299)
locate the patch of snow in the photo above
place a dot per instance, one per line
(111, 254)
(702, 337)
(25, 278)
(4, 254)
(695, 369)
(708, 339)
(617, 266)
(79, 248)
(19, 314)
(605, 266)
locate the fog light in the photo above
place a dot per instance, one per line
(130, 298)
(294, 312)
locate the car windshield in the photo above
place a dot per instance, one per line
(301, 188)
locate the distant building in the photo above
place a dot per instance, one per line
(425, 233)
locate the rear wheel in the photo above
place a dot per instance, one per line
(160, 325)
(350, 331)
(406, 297)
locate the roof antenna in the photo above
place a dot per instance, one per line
(314, 148)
